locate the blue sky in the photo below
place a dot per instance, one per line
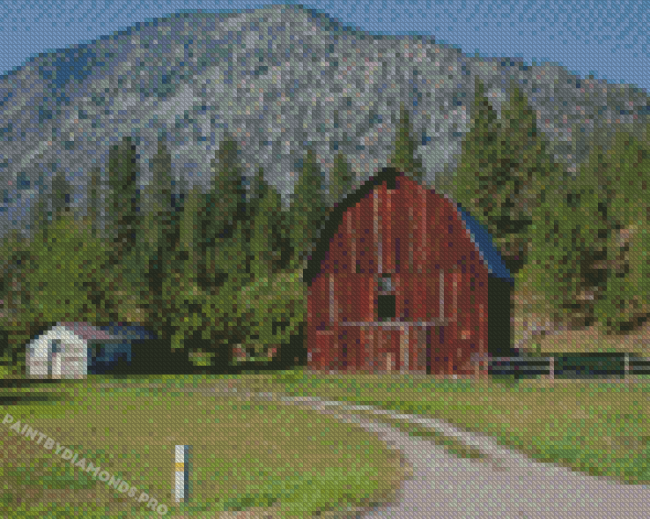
(603, 38)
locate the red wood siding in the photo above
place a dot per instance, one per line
(421, 237)
(386, 211)
(318, 304)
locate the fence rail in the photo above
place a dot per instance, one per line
(566, 366)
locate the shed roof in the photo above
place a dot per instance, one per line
(85, 331)
(128, 331)
(115, 332)
(479, 234)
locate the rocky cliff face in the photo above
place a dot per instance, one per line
(278, 79)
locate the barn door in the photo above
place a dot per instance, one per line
(435, 350)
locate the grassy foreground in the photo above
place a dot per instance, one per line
(246, 455)
(599, 428)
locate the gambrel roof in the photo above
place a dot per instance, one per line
(489, 253)
(479, 235)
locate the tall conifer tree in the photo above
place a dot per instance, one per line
(189, 232)
(308, 209)
(221, 214)
(341, 180)
(94, 200)
(269, 232)
(162, 230)
(123, 197)
(404, 157)
(61, 195)
(504, 162)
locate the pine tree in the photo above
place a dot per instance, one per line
(504, 164)
(227, 193)
(479, 155)
(158, 198)
(61, 195)
(161, 232)
(308, 209)
(269, 237)
(222, 212)
(568, 239)
(259, 220)
(341, 180)
(619, 174)
(404, 158)
(123, 197)
(94, 200)
(39, 218)
(189, 227)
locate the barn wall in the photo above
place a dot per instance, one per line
(499, 326)
(320, 333)
(416, 235)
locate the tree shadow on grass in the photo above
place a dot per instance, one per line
(26, 399)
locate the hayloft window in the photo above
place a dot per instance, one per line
(386, 298)
(385, 284)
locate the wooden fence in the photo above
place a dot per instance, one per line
(567, 366)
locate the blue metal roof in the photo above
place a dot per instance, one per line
(489, 254)
(128, 332)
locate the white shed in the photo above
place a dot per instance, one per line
(72, 350)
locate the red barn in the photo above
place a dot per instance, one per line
(402, 279)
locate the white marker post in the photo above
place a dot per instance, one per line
(182, 473)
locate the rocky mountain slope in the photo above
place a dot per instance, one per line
(278, 79)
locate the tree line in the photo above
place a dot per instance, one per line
(211, 271)
(204, 270)
(575, 239)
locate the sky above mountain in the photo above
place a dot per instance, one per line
(605, 39)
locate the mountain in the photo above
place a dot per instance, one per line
(278, 79)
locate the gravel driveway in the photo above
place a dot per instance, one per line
(508, 485)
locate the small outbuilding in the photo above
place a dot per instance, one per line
(74, 350)
(403, 279)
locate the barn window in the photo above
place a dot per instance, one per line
(56, 346)
(385, 284)
(386, 298)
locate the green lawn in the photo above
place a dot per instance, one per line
(130, 429)
(599, 428)
(246, 455)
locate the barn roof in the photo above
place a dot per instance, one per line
(480, 235)
(489, 253)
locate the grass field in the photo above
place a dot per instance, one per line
(246, 455)
(596, 427)
(130, 426)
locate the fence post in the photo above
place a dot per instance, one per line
(552, 368)
(182, 473)
(626, 360)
